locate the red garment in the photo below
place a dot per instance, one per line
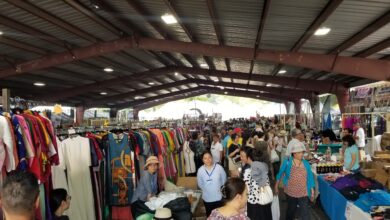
(121, 213)
(99, 153)
(54, 159)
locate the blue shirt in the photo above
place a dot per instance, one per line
(210, 182)
(285, 171)
(349, 151)
(147, 185)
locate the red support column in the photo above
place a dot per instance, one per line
(342, 99)
(79, 115)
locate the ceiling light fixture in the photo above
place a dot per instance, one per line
(322, 31)
(176, 73)
(204, 65)
(216, 80)
(103, 93)
(39, 84)
(282, 71)
(169, 19)
(108, 69)
(1, 33)
(151, 83)
(222, 87)
(137, 97)
(226, 93)
(257, 96)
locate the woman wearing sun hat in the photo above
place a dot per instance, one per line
(298, 182)
(147, 186)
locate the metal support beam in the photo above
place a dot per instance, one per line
(273, 92)
(318, 21)
(367, 68)
(303, 84)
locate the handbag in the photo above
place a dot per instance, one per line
(265, 195)
(274, 156)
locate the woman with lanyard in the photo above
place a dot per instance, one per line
(147, 186)
(211, 177)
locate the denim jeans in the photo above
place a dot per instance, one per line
(304, 207)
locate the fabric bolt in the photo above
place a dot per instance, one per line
(343, 182)
(210, 182)
(77, 157)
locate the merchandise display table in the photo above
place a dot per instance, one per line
(333, 202)
(195, 202)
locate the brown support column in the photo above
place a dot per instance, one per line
(135, 114)
(297, 106)
(79, 115)
(5, 99)
(113, 112)
(315, 107)
(342, 99)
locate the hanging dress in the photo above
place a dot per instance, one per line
(77, 156)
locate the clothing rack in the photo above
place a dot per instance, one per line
(372, 114)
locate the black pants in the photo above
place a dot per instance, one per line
(210, 206)
(304, 207)
(259, 212)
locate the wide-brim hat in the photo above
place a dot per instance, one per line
(163, 214)
(298, 147)
(151, 160)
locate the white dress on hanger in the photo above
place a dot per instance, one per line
(189, 158)
(77, 155)
(58, 172)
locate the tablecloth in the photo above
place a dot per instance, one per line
(353, 212)
(333, 202)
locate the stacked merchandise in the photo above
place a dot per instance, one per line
(362, 191)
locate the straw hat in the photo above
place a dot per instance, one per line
(151, 160)
(163, 214)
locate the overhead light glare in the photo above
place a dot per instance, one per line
(204, 65)
(169, 19)
(282, 71)
(176, 73)
(226, 93)
(1, 33)
(151, 83)
(39, 84)
(137, 97)
(103, 93)
(257, 96)
(222, 87)
(322, 31)
(108, 69)
(216, 80)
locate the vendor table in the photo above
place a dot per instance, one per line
(332, 201)
(198, 195)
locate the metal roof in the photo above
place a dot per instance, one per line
(34, 29)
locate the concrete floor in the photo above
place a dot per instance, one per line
(316, 212)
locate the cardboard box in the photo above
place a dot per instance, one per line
(369, 173)
(187, 182)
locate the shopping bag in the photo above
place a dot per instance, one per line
(275, 208)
